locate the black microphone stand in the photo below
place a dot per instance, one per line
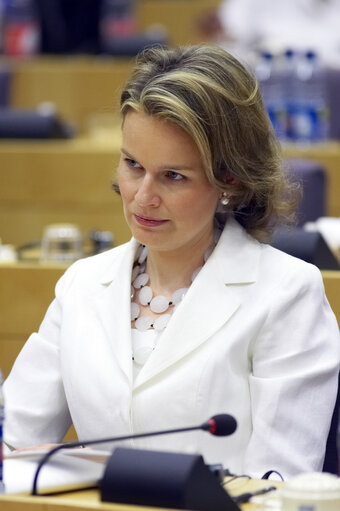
(206, 426)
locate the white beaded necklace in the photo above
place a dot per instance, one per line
(158, 304)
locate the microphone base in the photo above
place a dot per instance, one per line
(163, 479)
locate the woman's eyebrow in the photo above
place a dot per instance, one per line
(165, 166)
(128, 154)
(178, 167)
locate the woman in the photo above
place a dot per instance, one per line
(215, 321)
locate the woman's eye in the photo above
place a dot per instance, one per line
(133, 164)
(174, 176)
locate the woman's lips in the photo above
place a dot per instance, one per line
(149, 222)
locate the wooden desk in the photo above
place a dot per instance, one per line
(91, 500)
(79, 86)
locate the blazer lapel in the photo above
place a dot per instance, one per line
(210, 302)
(114, 304)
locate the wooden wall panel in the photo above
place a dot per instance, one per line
(53, 182)
(78, 86)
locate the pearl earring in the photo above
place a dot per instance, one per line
(225, 199)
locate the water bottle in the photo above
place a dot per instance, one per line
(20, 26)
(310, 118)
(2, 417)
(117, 20)
(268, 73)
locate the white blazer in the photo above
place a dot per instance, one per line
(254, 337)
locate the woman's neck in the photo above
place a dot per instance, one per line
(169, 271)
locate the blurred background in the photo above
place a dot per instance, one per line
(63, 64)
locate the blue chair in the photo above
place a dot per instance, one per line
(312, 177)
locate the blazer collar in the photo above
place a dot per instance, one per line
(112, 303)
(236, 256)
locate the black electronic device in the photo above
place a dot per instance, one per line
(33, 124)
(163, 479)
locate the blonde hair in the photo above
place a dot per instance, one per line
(216, 100)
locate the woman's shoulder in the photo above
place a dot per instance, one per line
(281, 266)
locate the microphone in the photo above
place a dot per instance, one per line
(218, 425)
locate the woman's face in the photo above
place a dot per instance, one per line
(168, 201)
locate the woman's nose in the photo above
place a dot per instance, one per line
(147, 195)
